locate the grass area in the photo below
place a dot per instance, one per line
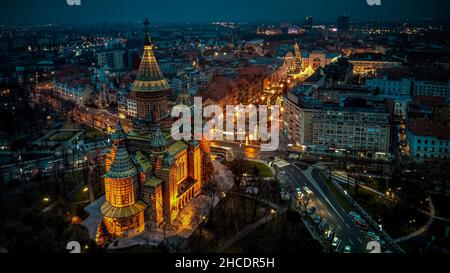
(341, 199)
(264, 170)
(61, 135)
(91, 134)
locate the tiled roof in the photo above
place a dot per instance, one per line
(115, 212)
(158, 139)
(150, 77)
(142, 161)
(220, 87)
(254, 70)
(168, 159)
(177, 147)
(153, 181)
(122, 166)
(119, 133)
(425, 127)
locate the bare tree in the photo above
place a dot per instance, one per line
(200, 218)
(304, 202)
(211, 188)
(238, 167)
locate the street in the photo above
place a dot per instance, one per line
(327, 206)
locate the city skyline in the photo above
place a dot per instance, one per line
(116, 11)
(255, 127)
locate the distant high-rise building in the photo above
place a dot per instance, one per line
(111, 59)
(308, 21)
(343, 23)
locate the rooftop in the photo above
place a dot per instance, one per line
(425, 127)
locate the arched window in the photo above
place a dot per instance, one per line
(181, 165)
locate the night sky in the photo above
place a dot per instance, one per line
(166, 11)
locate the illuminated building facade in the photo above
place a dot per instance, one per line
(150, 177)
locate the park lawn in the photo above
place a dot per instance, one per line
(264, 170)
(91, 134)
(61, 135)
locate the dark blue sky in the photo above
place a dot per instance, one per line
(57, 11)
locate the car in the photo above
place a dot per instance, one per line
(358, 219)
(373, 236)
(347, 249)
(354, 214)
(311, 210)
(317, 219)
(335, 242)
(307, 190)
(299, 192)
(323, 225)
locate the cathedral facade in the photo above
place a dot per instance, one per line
(150, 177)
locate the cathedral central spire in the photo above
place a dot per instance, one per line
(150, 87)
(148, 41)
(150, 77)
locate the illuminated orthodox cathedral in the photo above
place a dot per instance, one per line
(150, 177)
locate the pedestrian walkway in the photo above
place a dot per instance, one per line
(247, 230)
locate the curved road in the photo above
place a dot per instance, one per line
(328, 207)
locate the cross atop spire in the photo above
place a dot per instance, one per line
(146, 24)
(147, 35)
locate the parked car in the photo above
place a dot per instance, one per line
(335, 242)
(347, 249)
(307, 190)
(317, 219)
(373, 236)
(311, 210)
(323, 225)
(352, 213)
